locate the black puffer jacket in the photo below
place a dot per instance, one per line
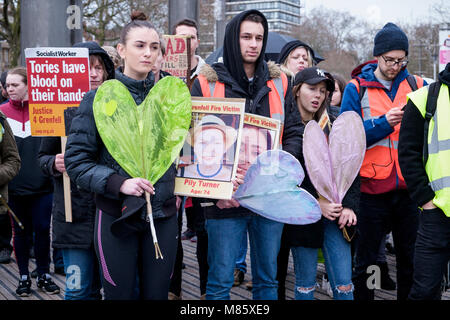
(410, 150)
(312, 235)
(92, 167)
(78, 234)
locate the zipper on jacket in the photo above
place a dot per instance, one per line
(261, 93)
(23, 117)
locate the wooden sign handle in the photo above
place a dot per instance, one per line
(66, 184)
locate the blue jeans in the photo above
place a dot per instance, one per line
(58, 258)
(338, 263)
(240, 262)
(82, 274)
(224, 242)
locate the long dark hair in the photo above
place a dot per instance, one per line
(322, 108)
(341, 84)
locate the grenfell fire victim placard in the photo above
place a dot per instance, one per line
(58, 78)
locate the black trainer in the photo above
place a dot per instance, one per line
(187, 234)
(46, 284)
(24, 288)
(238, 277)
(386, 281)
(34, 273)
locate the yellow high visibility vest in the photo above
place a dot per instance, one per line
(438, 164)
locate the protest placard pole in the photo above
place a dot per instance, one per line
(66, 185)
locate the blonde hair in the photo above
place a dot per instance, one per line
(285, 68)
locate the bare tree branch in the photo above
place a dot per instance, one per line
(10, 28)
(103, 19)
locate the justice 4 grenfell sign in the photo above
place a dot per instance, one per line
(58, 78)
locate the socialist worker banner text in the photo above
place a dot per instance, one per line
(58, 78)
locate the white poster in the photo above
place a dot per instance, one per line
(444, 48)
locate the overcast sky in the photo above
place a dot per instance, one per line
(378, 11)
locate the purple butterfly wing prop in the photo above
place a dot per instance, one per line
(318, 161)
(271, 190)
(347, 146)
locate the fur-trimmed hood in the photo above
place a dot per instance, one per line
(212, 76)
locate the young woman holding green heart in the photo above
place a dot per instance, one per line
(75, 239)
(123, 240)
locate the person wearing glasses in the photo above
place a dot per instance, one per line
(377, 93)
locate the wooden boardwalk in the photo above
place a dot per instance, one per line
(9, 278)
(191, 291)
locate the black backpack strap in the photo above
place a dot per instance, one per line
(2, 120)
(433, 92)
(361, 90)
(412, 82)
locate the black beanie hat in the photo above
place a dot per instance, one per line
(391, 37)
(291, 45)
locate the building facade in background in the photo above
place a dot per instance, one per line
(282, 15)
(5, 62)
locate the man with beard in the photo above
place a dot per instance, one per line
(378, 93)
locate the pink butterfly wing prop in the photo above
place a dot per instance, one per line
(347, 147)
(318, 161)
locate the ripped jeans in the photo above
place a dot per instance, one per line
(338, 263)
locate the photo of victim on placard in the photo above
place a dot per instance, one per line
(209, 158)
(259, 134)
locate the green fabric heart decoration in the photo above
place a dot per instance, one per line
(146, 139)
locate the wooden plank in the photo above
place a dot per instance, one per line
(6, 288)
(10, 281)
(37, 294)
(9, 278)
(41, 293)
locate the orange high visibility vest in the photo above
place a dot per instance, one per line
(381, 157)
(276, 101)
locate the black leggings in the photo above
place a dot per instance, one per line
(34, 212)
(176, 278)
(121, 258)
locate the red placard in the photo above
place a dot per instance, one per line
(58, 78)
